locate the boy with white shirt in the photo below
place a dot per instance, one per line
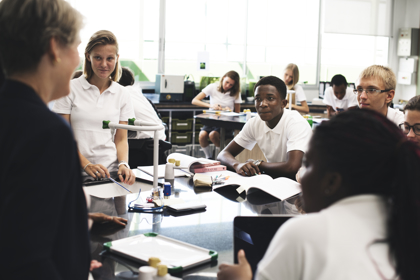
(282, 135)
(376, 89)
(339, 97)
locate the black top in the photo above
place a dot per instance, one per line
(43, 215)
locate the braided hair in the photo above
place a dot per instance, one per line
(373, 156)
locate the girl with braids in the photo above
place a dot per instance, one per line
(362, 177)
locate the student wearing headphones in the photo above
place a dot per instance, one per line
(281, 134)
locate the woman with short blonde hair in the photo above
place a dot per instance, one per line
(41, 185)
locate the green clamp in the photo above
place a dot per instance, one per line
(105, 124)
(131, 121)
(214, 255)
(107, 245)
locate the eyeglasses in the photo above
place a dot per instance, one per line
(406, 128)
(369, 91)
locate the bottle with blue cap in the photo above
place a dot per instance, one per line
(167, 190)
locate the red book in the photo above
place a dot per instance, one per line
(209, 169)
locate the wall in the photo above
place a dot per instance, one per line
(406, 14)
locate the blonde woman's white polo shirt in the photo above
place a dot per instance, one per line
(88, 108)
(291, 133)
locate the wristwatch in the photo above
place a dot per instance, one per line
(257, 162)
(125, 163)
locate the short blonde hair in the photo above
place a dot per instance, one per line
(385, 74)
(295, 71)
(101, 38)
(27, 27)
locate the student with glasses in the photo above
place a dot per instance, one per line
(375, 91)
(411, 125)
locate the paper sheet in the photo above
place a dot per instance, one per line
(113, 190)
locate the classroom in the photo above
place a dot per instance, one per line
(210, 139)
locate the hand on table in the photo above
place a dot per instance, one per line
(103, 218)
(247, 168)
(240, 271)
(126, 175)
(227, 109)
(97, 171)
(216, 107)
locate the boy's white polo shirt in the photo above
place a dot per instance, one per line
(395, 115)
(88, 108)
(349, 99)
(291, 133)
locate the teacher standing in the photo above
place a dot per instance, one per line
(43, 212)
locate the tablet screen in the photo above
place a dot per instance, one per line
(254, 234)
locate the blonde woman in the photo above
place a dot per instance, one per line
(291, 78)
(224, 95)
(96, 96)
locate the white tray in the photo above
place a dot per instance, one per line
(177, 255)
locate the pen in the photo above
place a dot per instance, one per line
(120, 185)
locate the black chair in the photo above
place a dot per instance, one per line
(140, 152)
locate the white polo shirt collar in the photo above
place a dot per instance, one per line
(86, 85)
(278, 128)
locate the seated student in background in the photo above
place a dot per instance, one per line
(291, 78)
(339, 97)
(282, 135)
(411, 125)
(367, 225)
(224, 95)
(376, 89)
(143, 110)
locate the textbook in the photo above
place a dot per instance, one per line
(208, 169)
(192, 162)
(263, 185)
(187, 163)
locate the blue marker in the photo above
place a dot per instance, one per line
(120, 185)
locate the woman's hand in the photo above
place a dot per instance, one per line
(216, 107)
(247, 168)
(97, 171)
(126, 175)
(94, 264)
(227, 109)
(241, 271)
(103, 218)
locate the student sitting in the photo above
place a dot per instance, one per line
(364, 208)
(339, 97)
(411, 125)
(291, 78)
(281, 134)
(375, 91)
(224, 95)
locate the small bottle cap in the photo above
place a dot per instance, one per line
(171, 160)
(153, 262)
(162, 270)
(177, 163)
